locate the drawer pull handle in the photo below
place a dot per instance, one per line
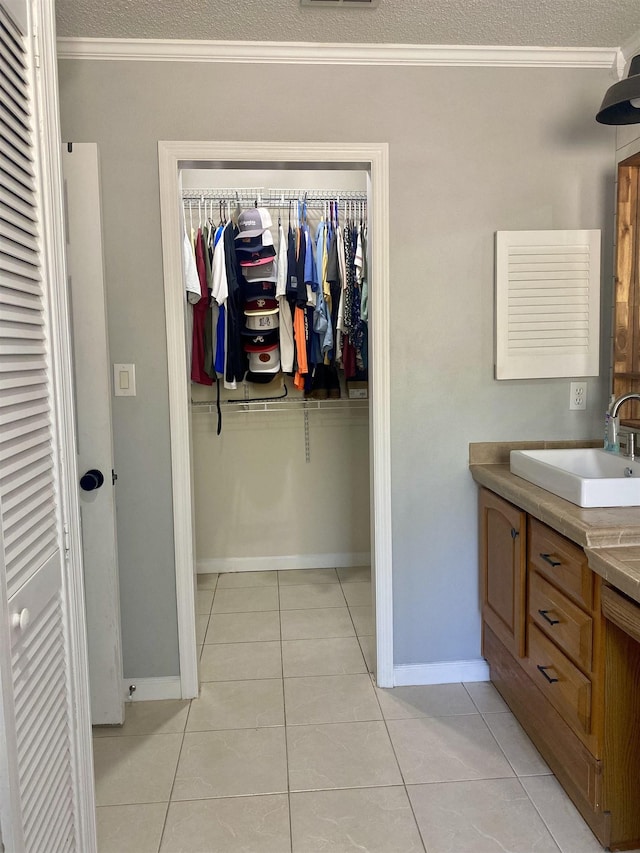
(514, 533)
(543, 670)
(547, 618)
(549, 559)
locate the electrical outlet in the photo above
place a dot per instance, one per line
(578, 396)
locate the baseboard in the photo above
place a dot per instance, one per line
(446, 672)
(152, 688)
(291, 561)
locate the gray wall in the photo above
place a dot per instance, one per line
(472, 151)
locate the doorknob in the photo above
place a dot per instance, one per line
(21, 619)
(93, 479)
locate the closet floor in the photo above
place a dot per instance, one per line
(291, 748)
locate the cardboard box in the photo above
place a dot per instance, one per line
(357, 390)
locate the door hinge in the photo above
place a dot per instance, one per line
(114, 477)
(66, 538)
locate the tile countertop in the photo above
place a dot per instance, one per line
(609, 535)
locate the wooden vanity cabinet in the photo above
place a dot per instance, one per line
(545, 638)
(503, 569)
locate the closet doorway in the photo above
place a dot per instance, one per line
(371, 159)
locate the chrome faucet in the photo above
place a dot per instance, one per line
(629, 436)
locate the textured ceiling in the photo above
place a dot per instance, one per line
(545, 23)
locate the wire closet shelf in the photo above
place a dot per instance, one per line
(274, 198)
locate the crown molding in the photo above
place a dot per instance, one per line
(307, 53)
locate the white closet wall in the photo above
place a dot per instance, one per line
(258, 503)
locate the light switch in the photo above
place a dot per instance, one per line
(124, 380)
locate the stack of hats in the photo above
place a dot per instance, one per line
(256, 255)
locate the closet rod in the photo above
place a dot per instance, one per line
(236, 406)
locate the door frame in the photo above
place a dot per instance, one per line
(374, 159)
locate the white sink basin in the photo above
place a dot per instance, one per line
(584, 476)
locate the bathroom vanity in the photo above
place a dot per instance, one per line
(560, 589)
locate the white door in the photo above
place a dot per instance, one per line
(95, 440)
(46, 785)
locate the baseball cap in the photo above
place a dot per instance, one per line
(261, 272)
(254, 289)
(260, 338)
(264, 359)
(253, 221)
(262, 322)
(256, 259)
(261, 305)
(254, 244)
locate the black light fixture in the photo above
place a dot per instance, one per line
(621, 104)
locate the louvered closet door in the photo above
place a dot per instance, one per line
(37, 713)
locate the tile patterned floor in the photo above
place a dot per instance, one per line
(291, 748)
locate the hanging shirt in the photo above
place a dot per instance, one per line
(299, 328)
(198, 372)
(219, 292)
(310, 268)
(191, 280)
(235, 367)
(287, 346)
(364, 301)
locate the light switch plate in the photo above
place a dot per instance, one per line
(124, 380)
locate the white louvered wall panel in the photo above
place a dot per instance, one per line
(31, 557)
(547, 304)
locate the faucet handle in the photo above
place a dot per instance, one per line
(628, 442)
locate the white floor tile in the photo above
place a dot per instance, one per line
(341, 755)
(335, 656)
(306, 576)
(207, 581)
(330, 699)
(303, 596)
(135, 769)
(485, 697)
(236, 580)
(237, 705)
(316, 623)
(236, 825)
(560, 815)
(375, 820)
(446, 749)
(245, 599)
(130, 829)
(490, 816)
(358, 594)
(240, 661)
(363, 620)
(433, 700)
(231, 763)
(354, 574)
(521, 753)
(257, 627)
(166, 716)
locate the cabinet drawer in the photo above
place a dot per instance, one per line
(561, 620)
(563, 562)
(579, 772)
(568, 690)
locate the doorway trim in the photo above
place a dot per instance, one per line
(374, 159)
